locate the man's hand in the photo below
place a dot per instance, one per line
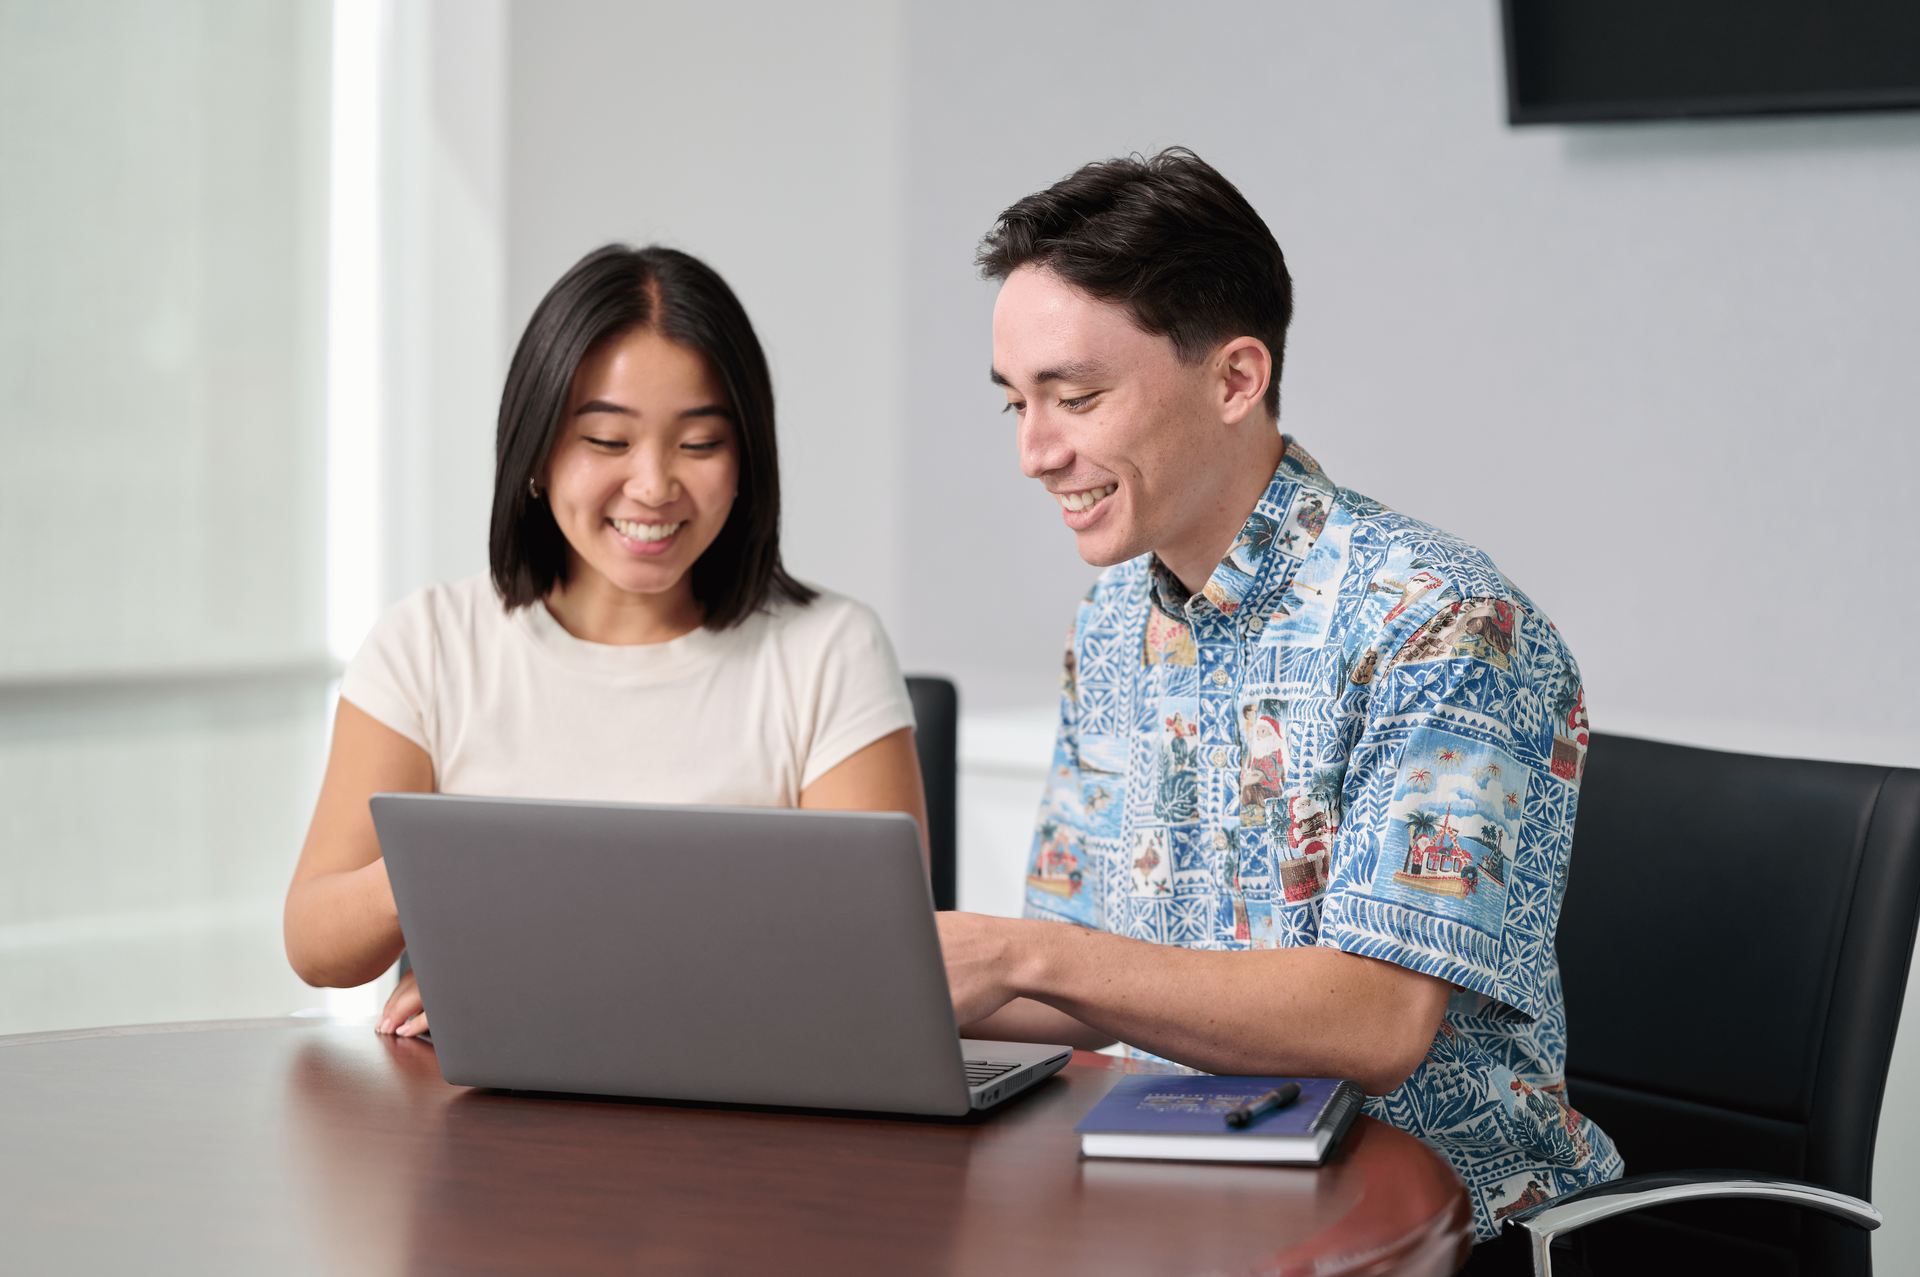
(977, 949)
(404, 1015)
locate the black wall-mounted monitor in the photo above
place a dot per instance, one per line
(1582, 60)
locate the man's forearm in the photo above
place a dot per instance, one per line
(1314, 1012)
(1024, 1020)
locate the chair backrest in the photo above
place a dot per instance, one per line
(936, 712)
(1734, 949)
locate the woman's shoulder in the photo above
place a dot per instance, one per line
(448, 614)
(828, 617)
(462, 605)
(399, 673)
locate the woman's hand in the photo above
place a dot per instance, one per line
(404, 1016)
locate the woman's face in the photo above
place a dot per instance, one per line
(643, 475)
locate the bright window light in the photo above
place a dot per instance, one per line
(360, 34)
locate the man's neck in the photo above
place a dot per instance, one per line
(1193, 555)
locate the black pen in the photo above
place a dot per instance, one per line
(1278, 1098)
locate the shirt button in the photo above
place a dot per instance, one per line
(1222, 757)
(1219, 678)
(1257, 623)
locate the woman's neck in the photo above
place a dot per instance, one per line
(595, 610)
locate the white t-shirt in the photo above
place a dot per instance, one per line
(512, 705)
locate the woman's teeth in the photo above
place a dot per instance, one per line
(644, 531)
(1078, 501)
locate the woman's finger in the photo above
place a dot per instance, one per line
(401, 1006)
(415, 1027)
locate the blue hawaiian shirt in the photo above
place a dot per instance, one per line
(1359, 734)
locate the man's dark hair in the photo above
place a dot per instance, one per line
(611, 292)
(1167, 237)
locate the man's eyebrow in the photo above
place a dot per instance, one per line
(1080, 371)
(601, 405)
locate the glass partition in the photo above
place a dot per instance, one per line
(163, 663)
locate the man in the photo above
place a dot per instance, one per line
(1313, 794)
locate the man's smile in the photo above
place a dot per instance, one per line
(1084, 500)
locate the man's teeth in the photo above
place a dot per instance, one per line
(645, 531)
(1078, 501)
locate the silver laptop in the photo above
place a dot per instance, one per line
(747, 956)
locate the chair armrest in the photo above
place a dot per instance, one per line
(1570, 1211)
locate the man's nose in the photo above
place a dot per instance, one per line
(1042, 448)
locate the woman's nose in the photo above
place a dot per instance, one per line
(651, 481)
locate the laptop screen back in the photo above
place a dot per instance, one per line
(747, 956)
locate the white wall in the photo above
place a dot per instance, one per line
(162, 649)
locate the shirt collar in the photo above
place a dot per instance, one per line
(1274, 516)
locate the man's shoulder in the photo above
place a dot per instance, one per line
(1381, 535)
(1400, 574)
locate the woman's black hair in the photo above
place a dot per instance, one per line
(611, 292)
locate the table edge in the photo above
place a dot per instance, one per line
(177, 1026)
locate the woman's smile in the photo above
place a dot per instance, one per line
(646, 538)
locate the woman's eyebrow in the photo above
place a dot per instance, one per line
(708, 410)
(601, 405)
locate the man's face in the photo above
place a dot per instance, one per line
(1111, 420)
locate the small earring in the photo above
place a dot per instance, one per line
(533, 489)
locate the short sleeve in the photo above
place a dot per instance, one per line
(1459, 801)
(391, 676)
(860, 696)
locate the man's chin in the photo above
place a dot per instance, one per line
(1103, 551)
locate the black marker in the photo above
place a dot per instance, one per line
(1278, 1098)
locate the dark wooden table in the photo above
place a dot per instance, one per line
(290, 1146)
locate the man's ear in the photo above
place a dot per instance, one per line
(1243, 367)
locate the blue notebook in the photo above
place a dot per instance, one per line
(1183, 1118)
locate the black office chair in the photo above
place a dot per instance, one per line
(1734, 950)
(936, 710)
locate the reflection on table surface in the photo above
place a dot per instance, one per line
(325, 1148)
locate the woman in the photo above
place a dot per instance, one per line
(637, 638)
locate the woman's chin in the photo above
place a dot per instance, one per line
(649, 578)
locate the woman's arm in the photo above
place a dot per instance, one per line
(885, 776)
(340, 925)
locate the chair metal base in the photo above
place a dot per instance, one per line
(1575, 1210)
